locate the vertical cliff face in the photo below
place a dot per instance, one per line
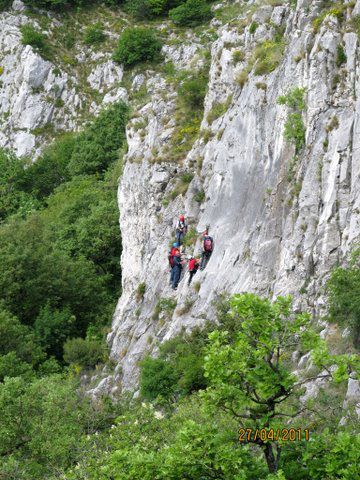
(280, 220)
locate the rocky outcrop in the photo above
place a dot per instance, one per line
(280, 221)
(40, 98)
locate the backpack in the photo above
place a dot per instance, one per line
(208, 244)
(192, 265)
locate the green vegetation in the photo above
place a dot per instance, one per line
(84, 353)
(59, 236)
(39, 41)
(199, 196)
(191, 13)
(268, 55)
(218, 109)
(94, 34)
(238, 56)
(340, 56)
(355, 24)
(294, 125)
(344, 287)
(190, 237)
(182, 185)
(5, 4)
(335, 9)
(253, 27)
(189, 111)
(137, 45)
(166, 305)
(194, 398)
(193, 90)
(140, 291)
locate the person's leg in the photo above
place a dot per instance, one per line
(177, 275)
(203, 259)
(178, 233)
(171, 274)
(191, 276)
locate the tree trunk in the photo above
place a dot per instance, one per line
(272, 463)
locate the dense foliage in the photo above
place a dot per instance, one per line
(203, 387)
(191, 13)
(137, 45)
(344, 289)
(59, 244)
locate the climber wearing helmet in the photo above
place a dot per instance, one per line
(177, 268)
(174, 250)
(193, 267)
(181, 228)
(208, 245)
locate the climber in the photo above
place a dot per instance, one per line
(193, 267)
(208, 246)
(176, 269)
(181, 229)
(172, 253)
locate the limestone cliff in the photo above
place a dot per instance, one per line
(280, 222)
(281, 218)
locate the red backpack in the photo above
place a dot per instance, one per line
(192, 264)
(208, 244)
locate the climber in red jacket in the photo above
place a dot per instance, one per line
(193, 267)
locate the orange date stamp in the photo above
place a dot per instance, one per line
(274, 434)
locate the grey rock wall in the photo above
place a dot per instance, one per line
(273, 235)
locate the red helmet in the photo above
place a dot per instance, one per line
(182, 218)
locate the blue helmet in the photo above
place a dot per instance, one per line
(175, 244)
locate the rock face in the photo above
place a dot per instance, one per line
(280, 221)
(39, 98)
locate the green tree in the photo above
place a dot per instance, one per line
(53, 327)
(137, 45)
(84, 353)
(344, 290)
(19, 351)
(191, 13)
(251, 376)
(40, 425)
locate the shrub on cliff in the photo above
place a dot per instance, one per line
(84, 353)
(191, 13)
(137, 45)
(31, 36)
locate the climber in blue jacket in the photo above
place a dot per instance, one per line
(176, 270)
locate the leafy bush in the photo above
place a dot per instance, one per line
(137, 45)
(19, 341)
(199, 196)
(98, 146)
(31, 36)
(157, 379)
(140, 291)
(191, 13)
(253, 27)
(238, 56)
(5, 4)
(53, 327)
(340, 56)
(218, 109)
(268, 55)
(193, 90)
(12, 196)
(294, 126)
(85, 353)
(146, 8)
(94, 34)
(344, 290)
